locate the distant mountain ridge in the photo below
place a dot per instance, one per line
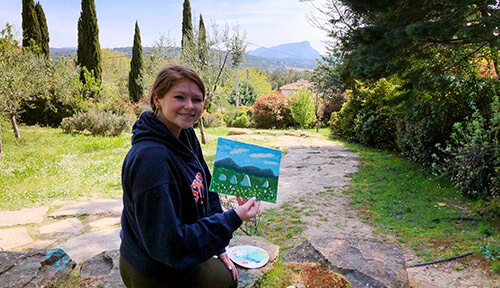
(229, 163)
(299, 50)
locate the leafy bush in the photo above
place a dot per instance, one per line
(97, 123)
(241, 121)
(302, 108)
(364, 118)
(333, 103)
(247, 95)
(234, 117)
(215, 119)
(272, 111)
(472, 156)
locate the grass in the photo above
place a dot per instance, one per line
(420, 209)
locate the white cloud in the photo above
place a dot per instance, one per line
(257, 155)
(271, 163)
(238, 151)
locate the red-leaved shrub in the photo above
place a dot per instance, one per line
(272, 111)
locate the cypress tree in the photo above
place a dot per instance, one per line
(89, 49)
(202, 43)
(187, 27)
(44, 29)
(135, 87)
(31, 28)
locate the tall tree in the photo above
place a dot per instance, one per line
(187, 40)
(44, 29)
(202, 44)
(31, 27)
(89, 49)
(135, 77)
(238, 48)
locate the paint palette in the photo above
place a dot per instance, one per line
(248, 256)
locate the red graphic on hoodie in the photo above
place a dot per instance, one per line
(197, 188)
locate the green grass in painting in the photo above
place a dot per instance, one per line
(421, 209)
(256, 185)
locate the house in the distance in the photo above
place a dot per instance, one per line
(289, 89)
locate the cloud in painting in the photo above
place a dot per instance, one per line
(260, 155)
(238, 151)
(270, 163)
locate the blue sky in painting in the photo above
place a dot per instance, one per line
(249, 155)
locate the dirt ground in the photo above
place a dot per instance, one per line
(313, 166)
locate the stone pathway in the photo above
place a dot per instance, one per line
(310, 168)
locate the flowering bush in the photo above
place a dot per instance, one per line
(272, 111)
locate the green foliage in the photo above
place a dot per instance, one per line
(240, 117)
(302, 108)
(247, 95)
(211, 120)
(135, 84)
(202, 43)
(31, 27)
(279, 78)
(332, 104)
(364, 118)
(272, 110)
(472, 157)
(97, 123)
(89, 49)
(187, 40)
(44, 30)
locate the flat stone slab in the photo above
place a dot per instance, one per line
(14, 237)
(71, 225)
(42, 244)
(105, 222)
(103, 270)
(23, 216)
(248, 277)
(365, 263)
(37, 268)
(112, 207)
(88, 245)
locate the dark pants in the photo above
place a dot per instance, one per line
(212, 274)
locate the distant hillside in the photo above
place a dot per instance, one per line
(271, 64)
(300, 50)
(228, 163)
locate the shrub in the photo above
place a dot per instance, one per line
(233, 117)
(247, 95)
(272, 111)
(215, 119)
(302, 108)
(97, 123)
(333, 103)
(472, 156)
(241, 121)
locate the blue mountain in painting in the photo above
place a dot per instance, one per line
(229, 164)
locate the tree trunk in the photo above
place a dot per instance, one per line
(0, 143)
(237, 89)
(202, 132)
(14, 125)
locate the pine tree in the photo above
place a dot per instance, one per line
(44, 29)
(135, 87)
(31, 27)
(89, 49)
(187, 27)
(202, 43)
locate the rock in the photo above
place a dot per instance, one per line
(86, 246)
(36, 268)
(238, 131)
(71, 225)
(98, 207)
(104, 222)
(365, 263)
(233, 180)
(23, 216)
(222, 177)
(266, 184)
(246, 182)
(42, 244)
(248, 277)
(14, 237)
(103, 270)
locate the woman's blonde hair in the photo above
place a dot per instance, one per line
(167, 77)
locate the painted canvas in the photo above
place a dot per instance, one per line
(246, 170)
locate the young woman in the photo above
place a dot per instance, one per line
(172, 226)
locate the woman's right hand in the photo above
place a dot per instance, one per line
(248, 208)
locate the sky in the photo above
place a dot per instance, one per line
(249, 155)
(267, 22)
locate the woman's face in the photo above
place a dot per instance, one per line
(181, 106)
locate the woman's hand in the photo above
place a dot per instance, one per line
(248, 208)
(229, 264)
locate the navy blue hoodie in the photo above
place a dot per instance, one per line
(170, 222)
